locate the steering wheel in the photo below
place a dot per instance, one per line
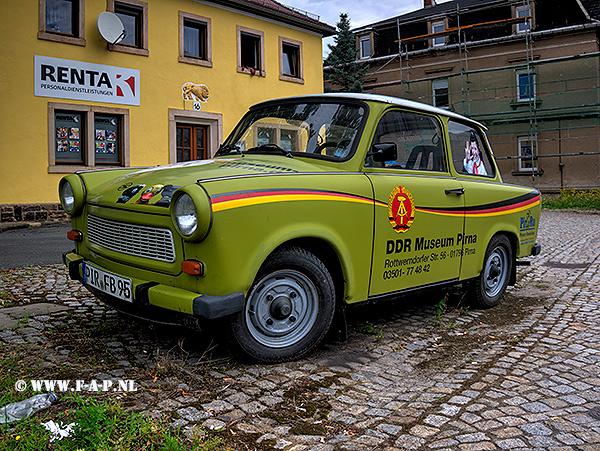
(324, 145)
(337, 144)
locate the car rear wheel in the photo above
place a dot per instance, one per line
(288, 310)
(490, 285)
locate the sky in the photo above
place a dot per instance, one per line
(360, 12)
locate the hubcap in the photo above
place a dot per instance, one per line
(282, 308)
(495, 271)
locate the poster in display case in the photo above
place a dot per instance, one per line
(68, 137)
(106, 133)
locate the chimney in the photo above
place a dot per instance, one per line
(429, 3)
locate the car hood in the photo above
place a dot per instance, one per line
(154, 186)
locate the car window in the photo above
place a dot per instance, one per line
(313, 129)
(469, 152)
(417, 138)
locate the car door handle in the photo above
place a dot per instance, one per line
(457, 191)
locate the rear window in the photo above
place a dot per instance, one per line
(470, 154)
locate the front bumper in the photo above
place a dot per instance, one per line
(158, 302)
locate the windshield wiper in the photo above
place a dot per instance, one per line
(224, 149)
(271, 146)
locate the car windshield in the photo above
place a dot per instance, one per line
(320, 129)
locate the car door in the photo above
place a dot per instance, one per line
(419, 212)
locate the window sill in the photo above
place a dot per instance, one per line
(527, 173)
(195, 61)
(127, 49)
(291, 79)
(70, 169)
(514, 104)
(252, 72)
(60, 38)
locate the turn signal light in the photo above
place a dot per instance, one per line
(192, 267)
(75, 235)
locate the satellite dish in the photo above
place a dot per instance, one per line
(110, 27)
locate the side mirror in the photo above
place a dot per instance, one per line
(383, 152)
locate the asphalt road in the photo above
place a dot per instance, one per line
(41, 246)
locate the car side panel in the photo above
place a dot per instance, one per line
(250, 223)
(493, 208)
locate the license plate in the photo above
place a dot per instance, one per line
(107, 282)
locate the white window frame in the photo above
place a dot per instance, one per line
(523, 11)
(440, 84)
(361, 41)
(531, 141)
(533, 93)
(440, 40)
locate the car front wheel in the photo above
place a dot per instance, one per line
(490, 285)
(288, 310)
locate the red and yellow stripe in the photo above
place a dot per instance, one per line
(487, 210)
(249, 198)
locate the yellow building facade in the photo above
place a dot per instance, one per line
(174, 82)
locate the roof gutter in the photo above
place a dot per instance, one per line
(281, 16)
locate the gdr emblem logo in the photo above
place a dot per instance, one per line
(401, 209)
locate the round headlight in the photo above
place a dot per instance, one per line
(71, 193)
(67, 197)
(185, 215)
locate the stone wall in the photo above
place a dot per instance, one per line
(32, 213)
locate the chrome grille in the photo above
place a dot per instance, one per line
(142, 241)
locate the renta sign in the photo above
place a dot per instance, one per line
(77, 80)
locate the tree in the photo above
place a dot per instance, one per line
(341, 68)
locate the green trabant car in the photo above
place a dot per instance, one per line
(311, 204)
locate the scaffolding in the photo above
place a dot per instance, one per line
(466, 100)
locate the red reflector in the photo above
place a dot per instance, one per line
(74, 235)
(192, 267)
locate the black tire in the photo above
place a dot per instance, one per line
(288, 310)
(489, 287)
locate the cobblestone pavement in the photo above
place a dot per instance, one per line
(412, 375)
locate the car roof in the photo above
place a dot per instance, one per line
(379, 98)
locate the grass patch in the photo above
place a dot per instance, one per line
(99, 425)
(572, 199)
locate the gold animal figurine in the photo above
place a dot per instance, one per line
(197, 93)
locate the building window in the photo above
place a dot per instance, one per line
(191, 142)
(69, 137)
(134, 15)
(525, 86)
(438, 27)
(440, 93)
(82, 136)
(195, 39)
(283, 136)
(107, 134)
(527, 154)
(193, 135)
(251, 51)
(365, 47)
(524, 12)
(62, 21)
(290, 60)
